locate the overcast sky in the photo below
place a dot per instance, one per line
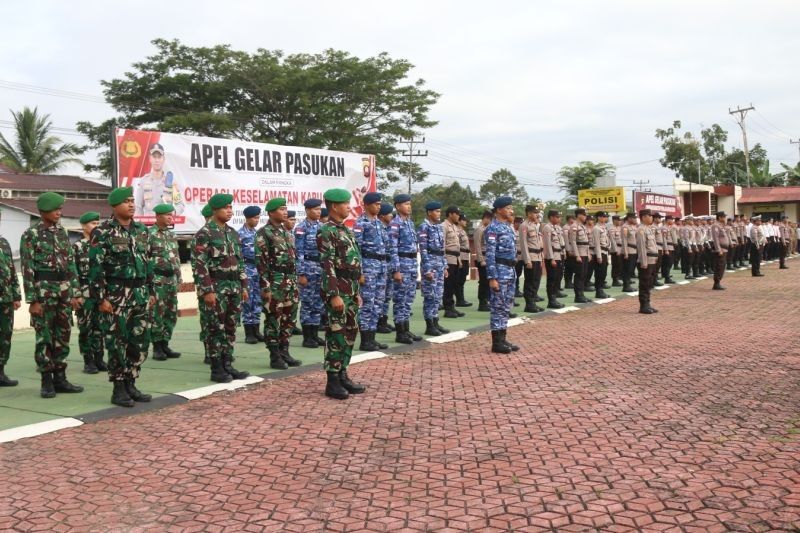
(531, 86)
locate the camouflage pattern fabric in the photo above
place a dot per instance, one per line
(165, 263)
(9, 293)
(90, 335)
(202, 333)
(275, 256)
(251, 309)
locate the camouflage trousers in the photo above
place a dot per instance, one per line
(90, 336)
(280, 312)
(53, 328)
(220, 323)
(127, 336)
(340, 334)
(6, 329)
(165, 311)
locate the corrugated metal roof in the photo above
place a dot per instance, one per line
(45, 182)
(770, 195)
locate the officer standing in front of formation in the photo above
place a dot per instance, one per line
(629, 256)
(501, 259)
(385, 215)
(466, 254)
(340, 261)
(51, 288)
(10, 301)
(278, 281)
(433, 267)
(90, 337)
(308, 273)
(757, 242)
(251, 308)
(403, 237)
(452, 250)
(530, 243)
(165, 263)
(553, 243)
(480, 260)
(121, 281)
(647, 254)
(222, 283)
(602, 245)
(372, 240)
(578, 246)
(722, 244)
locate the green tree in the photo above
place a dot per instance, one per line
(330, 100)
(454, 194)
(35, 150)
(582, 176)
(503, 183)
(792, 174)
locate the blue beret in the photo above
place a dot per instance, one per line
(312, 202)
(402, 198)
(433, 204)
(251, 211)
(386, 209)
(372, 198)
(291, 214)
(503, 201)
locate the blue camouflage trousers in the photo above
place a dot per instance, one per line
(432, 291)
(388, 288)
(405, 290)
(373, 293)
(501, 301)
(251, 308)
(311, 305)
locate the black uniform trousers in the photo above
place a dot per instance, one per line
(647, 280)
(755, 259)
(666, 264)
(463, 274)
(533, 278)
(616, 266)
(719, 266)
(600, 271)
(450, 284)
(483, 283)
(554, 274)
(581, 273)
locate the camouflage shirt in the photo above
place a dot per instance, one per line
(340, 260)
(9, 285)
(46, 251)
(119, 269)
(81, 252)
(275, 255)
(165, 261)
(217, 262)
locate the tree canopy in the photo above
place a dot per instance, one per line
(503, 183)
(582, 176)
(35, 150)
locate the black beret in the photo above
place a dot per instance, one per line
(452, 209)
(386, 209)
(433, 205)
(601, 214)
(503, 201)
(291, 214)
(553, 213)
(312, 202)
(372, 198)
(580, 211)
(644, 212)
(402, 198)
(251, 211)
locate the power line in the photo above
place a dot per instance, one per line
(742, 114)
(411, 154)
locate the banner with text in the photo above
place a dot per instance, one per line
(610, 199)
(663, 203)
(186, 171)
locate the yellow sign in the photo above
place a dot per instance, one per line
(768, 208)
(610, 199)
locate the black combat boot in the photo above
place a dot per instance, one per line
(376, 345)
(600, 293)
(257, 332)
(513, 347)
(554, 304)
(232, 372)
(483, 306)
(218, 372)
(6, 381)
(581, 299)
(315, 336)
(286, 356)
(89, 366)
(463, 303)
(628, 288)
(250, 334)
(171, 354)
(450, 312)
(718, 287)
(61, 384)
(334, 388)
(498, 346)
(383, 325)
(431, 328)
(415, 338)
(616, 283)
(135, 394)
(645, 310)
(530, 305)
(349, 384)
(440, 328)
(206, 358)
(120, 395)
(561, 294)
(158, 352)
(538, 298)
(47, 390)
(400, 334)
(309, 339)
(98, 361)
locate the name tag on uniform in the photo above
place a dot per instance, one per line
(119, 240)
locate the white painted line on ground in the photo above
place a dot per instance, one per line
(448, 337)
(516, 322)
(684, 282)
(742, 268)
(731, 271)
(40, 428)
(632, 293)
(566, 309)
(605, 300)
(367, 356)
(661, 288)
(701, 277)
(200, 392)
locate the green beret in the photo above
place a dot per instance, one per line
(89, 216)
(336, 195)
(220, 200)
(163, 209)
(274, 204)
(49, 201)
(119, 195)
(206, 211)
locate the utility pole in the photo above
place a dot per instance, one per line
(797, 142)
(640, 184)
(411, 154)
(742, 114)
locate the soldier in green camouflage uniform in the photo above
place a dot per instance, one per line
(340, 260)
(9, 302)
(121, 281)
(166, 266)
(275, 258)
(206, 212)
(90, 336)
(51, 288)
(218, 268)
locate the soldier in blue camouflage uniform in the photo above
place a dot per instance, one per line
(165, 264)
(385, 215)
(433, 266)
(308, 273)
(251, 308)
(372, 241)
(403, 265)
(121, 281)
(501, 259)
(10, 301)
(90, 336)
(51, 287)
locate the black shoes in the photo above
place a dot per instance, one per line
(717, 287)
(581, 299)
(89, 366)
(158, 352)
(450, 312)
(349, 385)
(601, 294)
(334, 388)
(498, 346)
(218, 372)
(440, 328)
(431, 328)
(555, 304)
(483, 306)
(133, 393)
(646, 310)
(309, 337)
(60, 383)
(369, 344)
(232, 372)
(401, 335)
(250, 334)
(463, 303)
(171, 354)
(384, 326)
(120, 395)
(6, 381)
(275, 359)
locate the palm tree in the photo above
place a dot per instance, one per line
(36, 151)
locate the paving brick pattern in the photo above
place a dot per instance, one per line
(688, 420)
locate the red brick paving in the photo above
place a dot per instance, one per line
(683, 421)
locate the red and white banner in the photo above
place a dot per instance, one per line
(186, 171)
(661, 203)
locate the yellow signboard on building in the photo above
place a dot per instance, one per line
(610, 199)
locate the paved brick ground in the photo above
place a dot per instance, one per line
(606, 419)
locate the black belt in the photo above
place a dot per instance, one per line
(652, 255)
(439, 253)
(45, 275)
(535, 250)
(164, 272)
(314, 258)
(582, 243)
(632, 246)
(604, 249)
(407, 255)
(225, 276)
(452, 253)
(506, 262)
(465, 250)
(556, 249)
(379, 257)
(131, 283)
(349, 274)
